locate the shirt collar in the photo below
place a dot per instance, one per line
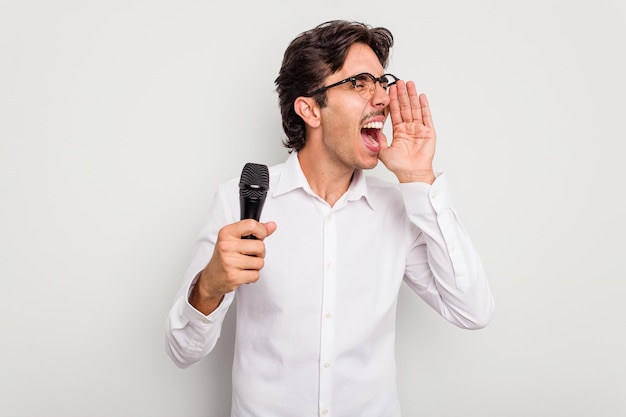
(292, 177)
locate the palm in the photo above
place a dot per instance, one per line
(412, 149)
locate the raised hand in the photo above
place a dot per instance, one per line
(412, 149)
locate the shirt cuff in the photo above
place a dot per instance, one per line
(188, 314)
(422, 198)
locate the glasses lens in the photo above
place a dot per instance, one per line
(385, 80)
(364, 84)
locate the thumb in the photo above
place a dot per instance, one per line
(382, 140)
(270, 227)
(384, 147)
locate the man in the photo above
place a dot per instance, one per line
(316, 324)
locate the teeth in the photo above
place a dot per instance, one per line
(373, 125)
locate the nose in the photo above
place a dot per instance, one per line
(380, 97)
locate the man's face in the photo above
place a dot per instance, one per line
(352, 124)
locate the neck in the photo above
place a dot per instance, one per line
(327, 180)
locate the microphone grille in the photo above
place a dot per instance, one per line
(254, 181)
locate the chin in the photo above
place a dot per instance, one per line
(367, 164)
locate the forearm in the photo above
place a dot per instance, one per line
(444, 267)
(203, 301)
(190, 334)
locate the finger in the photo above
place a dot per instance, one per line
(233, 266)
(414, 100)
(404, 102)
(382, 140)
(426, 115)
(241, 277)
(236, 230)
(248, 227)
(249, 277)
(250, 263)
(251, 247)
(394, 105)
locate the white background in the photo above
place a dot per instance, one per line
(119, 118)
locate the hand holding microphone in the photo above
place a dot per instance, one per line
(239, 252)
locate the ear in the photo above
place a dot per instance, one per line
(308, 109)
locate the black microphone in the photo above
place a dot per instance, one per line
(253, 186)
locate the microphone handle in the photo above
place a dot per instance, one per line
(251, 209)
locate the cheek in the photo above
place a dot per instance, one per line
(345, 118)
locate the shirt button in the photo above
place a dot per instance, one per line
(197, 344)
(328, 315)
(327, 365)
(324, 411)
(434, 195)
(329, 265)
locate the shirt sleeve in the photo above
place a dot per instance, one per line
(443, 267)
(189, 334)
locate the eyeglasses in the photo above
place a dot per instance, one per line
(364, 84)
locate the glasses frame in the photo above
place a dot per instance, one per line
(353, 80)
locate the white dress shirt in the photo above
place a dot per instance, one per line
(315, 335)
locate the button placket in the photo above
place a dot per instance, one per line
(328, 304)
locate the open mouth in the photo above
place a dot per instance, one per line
(370, 133)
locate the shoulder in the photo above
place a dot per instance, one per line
(383, 193)
(381, 186)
